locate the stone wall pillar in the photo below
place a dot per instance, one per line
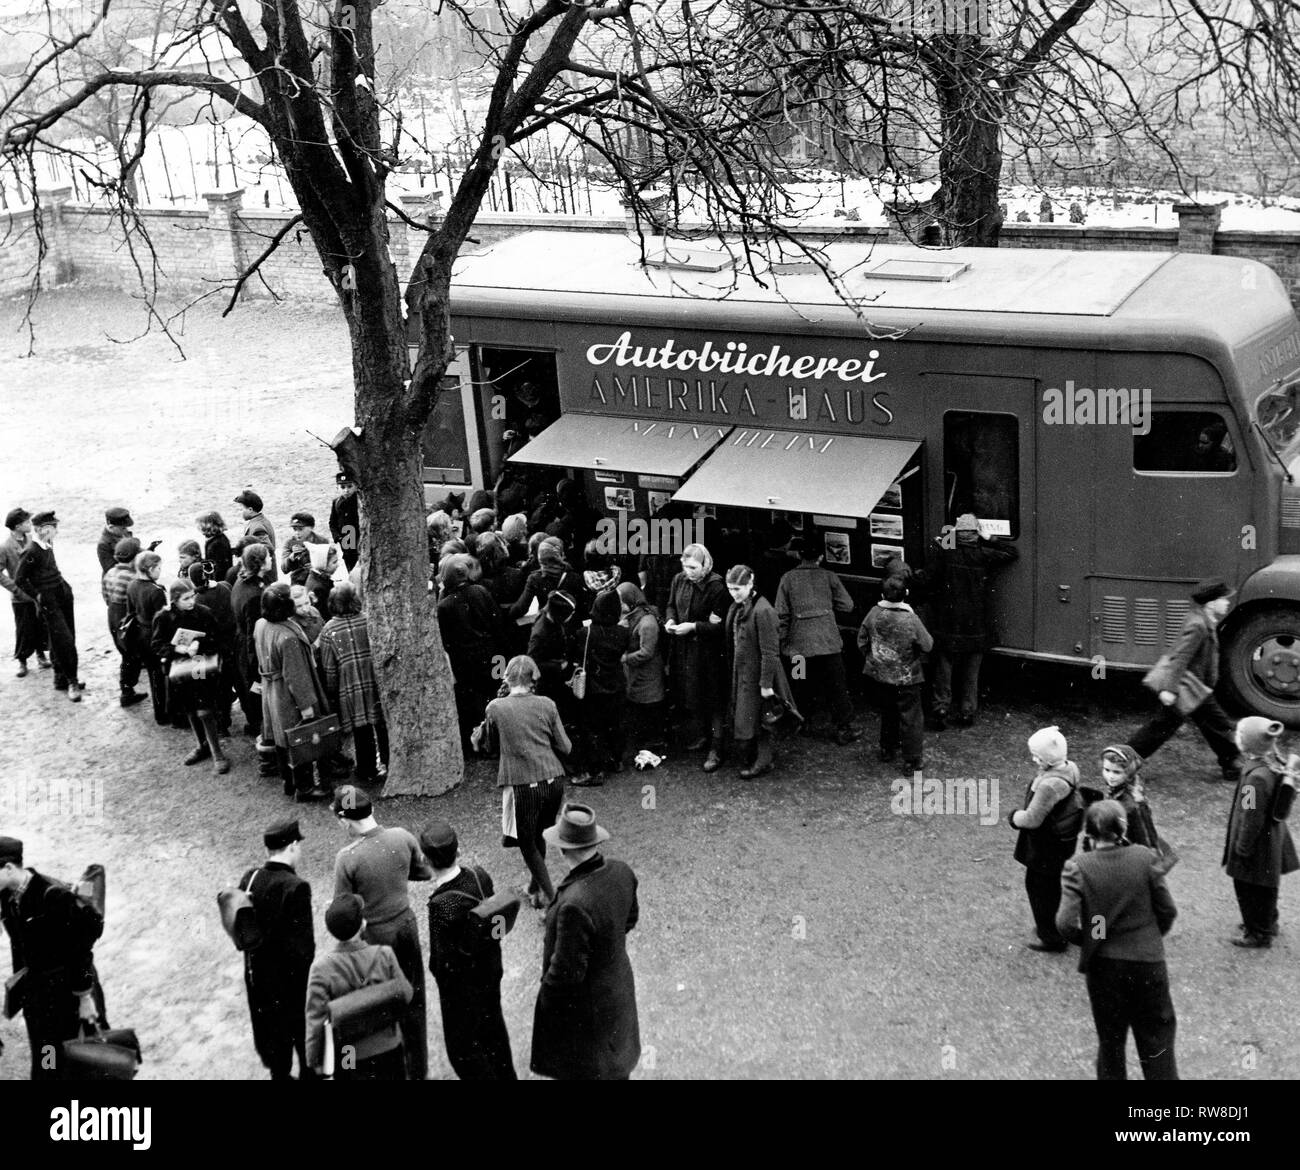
(59, 267)
(907, 219)
(227, 254)
(1197, 223)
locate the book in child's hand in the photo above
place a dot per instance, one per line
(184, 637)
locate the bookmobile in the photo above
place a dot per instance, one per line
(1130, 420)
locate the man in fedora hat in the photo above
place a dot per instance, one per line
(275, 973)
(585, 1023)
(38, 576)
(29, 630)
(1196, 653)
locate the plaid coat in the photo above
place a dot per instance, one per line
(343, 650)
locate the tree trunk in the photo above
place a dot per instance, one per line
(970, 153)
(414, 675)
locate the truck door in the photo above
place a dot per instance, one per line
(981, 460)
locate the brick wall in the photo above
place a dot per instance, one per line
(199, 250)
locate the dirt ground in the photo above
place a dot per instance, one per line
(793, 927)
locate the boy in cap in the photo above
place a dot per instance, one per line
(345, 521)
(114, 587)
(296, 560)
(1258, 849)
(257, 528)
(350, 966)
(117, 526)
(275, 973)
(585, 1023)
(377, 864)
(1195, 654)
(1049, 827)
(467, 971)
(38, 576)
(52, 934)
(30, 636)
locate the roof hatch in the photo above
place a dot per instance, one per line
(896, 269)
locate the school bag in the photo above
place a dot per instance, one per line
(239, 916)
(489, 919)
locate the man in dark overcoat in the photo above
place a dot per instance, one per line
(1258, 849)
(38, 576)
(275, 972)
(52, 934)
(585, 1023)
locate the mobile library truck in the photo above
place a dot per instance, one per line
(1130, 420)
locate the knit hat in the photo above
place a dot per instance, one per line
(1125, 757)
(1258, 735)
(344, 915)
(606, 609)
(124, 551)
(1048, 744)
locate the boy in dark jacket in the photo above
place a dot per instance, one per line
(602, 706)
(892, 640)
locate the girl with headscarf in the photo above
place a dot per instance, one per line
(553, 572)
(697, 657)
(754, 651)
(195, 694)
(1121, 781)
(644, 663)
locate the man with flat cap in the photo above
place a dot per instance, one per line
(1193, 666)
(585, 1023)
(275, 972)
(465, 965)
(52, 934)
(117, 526)
(377, 863)
(257, 528)
(350, 966)
(29, 630)
(38, 576)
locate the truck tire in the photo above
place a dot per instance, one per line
(1261, 664)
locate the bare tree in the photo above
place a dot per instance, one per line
(608, 74)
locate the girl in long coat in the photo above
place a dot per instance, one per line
(754, 646)
(292, 691)
(145, 598)
(246, 605)
(195, 698)
(348, 671)
(697, 662)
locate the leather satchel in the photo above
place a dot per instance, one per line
(366, 1011)
(239, 915)
(309, 742)
(15, 987)
(100, 1054)
(1190, 692)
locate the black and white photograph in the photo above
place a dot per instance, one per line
(713, 541)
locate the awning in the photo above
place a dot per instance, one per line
(839, 475)
(603, 442)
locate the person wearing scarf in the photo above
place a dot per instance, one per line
(1121, 782)
(292, 691)
(1258, 848)
(753, 634)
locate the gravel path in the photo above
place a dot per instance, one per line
(791, 927)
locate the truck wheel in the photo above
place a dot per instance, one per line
(1262, 664)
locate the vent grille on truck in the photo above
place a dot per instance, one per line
(1150, 622)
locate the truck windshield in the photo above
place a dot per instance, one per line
(1277, 411)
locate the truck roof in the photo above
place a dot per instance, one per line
(1011, 296)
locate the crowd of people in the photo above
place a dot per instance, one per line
(570, 662)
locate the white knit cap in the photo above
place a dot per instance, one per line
(1048, 744)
